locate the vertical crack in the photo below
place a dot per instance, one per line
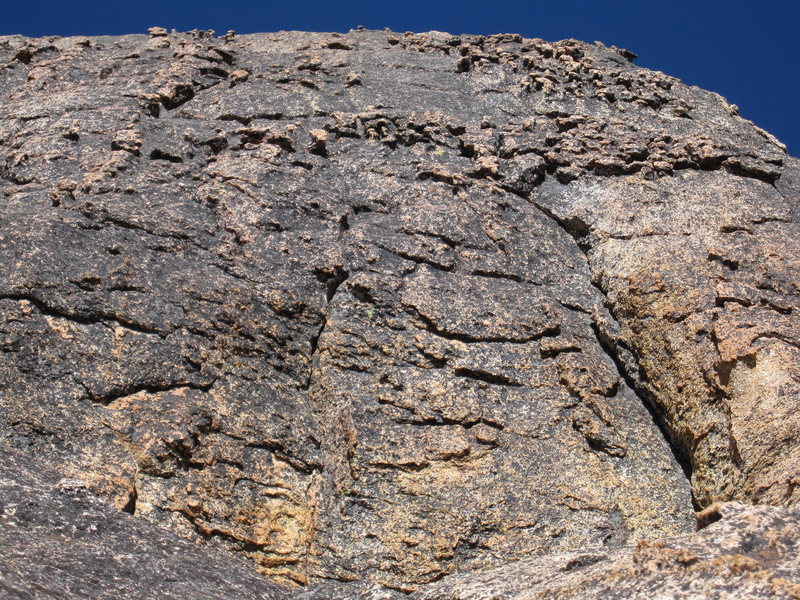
(610, 347)
(333, 278)
(579, 230)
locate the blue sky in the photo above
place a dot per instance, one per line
(745, 50)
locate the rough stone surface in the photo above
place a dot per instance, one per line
(57, 541)
(375, 308)
(701, 271)
(750, 552)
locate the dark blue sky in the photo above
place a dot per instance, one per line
(745, 50)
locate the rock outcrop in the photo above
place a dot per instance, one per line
(375, 308)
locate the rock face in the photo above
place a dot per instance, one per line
(751, 553)
(59, 541)
(380, 308)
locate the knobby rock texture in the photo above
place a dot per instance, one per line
(369, 309)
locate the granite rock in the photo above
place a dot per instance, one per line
(375, 308)
(57, 540)
(748, 552)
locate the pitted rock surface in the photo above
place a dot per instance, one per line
(380, 307)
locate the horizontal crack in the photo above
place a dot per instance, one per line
(108, 399)
(430, 326)
(485, 376)
(98, 319)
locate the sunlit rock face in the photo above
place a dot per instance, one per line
(377, 308)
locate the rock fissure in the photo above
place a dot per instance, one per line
(89, 319)
(611, 348)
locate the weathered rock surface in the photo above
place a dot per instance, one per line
(59, 541)
(752, 552)
(701, 271)
(379, 307)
